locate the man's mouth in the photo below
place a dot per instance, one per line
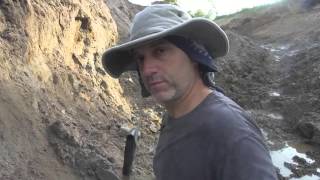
(155, 83)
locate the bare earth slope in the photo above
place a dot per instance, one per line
(59, 112)
(282, 90)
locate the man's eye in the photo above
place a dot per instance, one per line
(160, 50)
(139, 59)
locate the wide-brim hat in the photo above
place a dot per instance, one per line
(156, 22)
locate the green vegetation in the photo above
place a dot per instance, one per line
(199, 13)
(171, 2)
(245, 10)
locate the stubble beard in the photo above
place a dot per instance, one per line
(173, 93)
(165, 96)
(161, 95)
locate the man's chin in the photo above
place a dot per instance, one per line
(163, 97)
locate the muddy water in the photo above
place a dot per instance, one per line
(275, 116)
(277, 52)
(286, 154)
(274, 94)
(312, 177)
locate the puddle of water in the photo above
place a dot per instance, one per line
(274, 94)
(313, 177)
(292, 53)
(314, 45)
(274, 50)
(275, 116)
(284, 47)
(264, 133)
(286, 154)
(264, 46)
(280, 157)
(277, 58)
(267, 113)
(270, 143)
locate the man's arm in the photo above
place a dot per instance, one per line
(248, 159)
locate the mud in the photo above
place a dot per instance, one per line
(287, 105)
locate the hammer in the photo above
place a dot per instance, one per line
(129, 152)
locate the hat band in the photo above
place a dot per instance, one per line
(195, 51)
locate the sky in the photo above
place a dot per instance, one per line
(222, 7)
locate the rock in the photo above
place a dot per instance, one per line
(316, 134)
(103, 84)
(84, 158)
(306, 129)
(111, 159)
(85, 21)
(63, 131)
(77, 60)
(299, 160)
(55, 78)
(309, 126)
(153, 128)
(310, 130)
(119, 10)
(106, 174)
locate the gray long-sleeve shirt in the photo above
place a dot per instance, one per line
(216, 141)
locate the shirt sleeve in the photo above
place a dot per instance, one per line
(248, 159)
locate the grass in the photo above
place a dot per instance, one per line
(244, 10)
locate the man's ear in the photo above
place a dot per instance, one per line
(197, 67)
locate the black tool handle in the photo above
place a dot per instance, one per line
(129, 153)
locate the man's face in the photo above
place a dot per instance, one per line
(166, 71)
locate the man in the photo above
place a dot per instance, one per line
(206, 135)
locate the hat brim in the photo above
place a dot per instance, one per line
(119, 59)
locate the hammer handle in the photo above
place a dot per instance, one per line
(129, 154)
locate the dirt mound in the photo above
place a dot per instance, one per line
(289, 98)
(246, 73)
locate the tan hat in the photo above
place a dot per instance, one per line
(160, 20)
